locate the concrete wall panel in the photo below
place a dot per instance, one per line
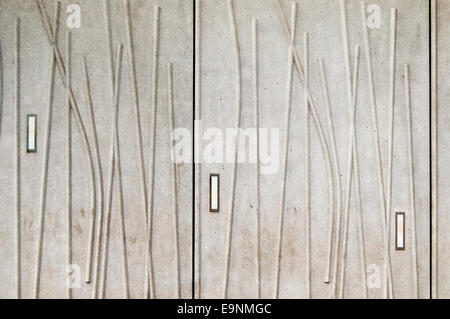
(90, 41)
(219, 83)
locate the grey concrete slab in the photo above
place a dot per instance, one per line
(89, 40)
(217, 98)
(321, 19)
(441, 222)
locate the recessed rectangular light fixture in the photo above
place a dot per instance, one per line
(31, 133)
(400, 231)
(214, 187)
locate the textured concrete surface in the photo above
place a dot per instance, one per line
(218, 83)
(321, 19)
(90, 41)
(441, 255)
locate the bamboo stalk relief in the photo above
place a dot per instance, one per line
(125, 236)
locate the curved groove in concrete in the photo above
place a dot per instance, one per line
(238, 93)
